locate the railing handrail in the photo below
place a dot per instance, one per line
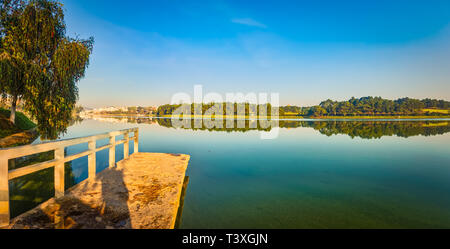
(18, 151)
(58, 162)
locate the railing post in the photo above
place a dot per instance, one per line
(92, 159)
(4, 193)
(112, 152)
(59, 173)
(136, 141)
(126, 145)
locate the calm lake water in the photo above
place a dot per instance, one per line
(317, 174)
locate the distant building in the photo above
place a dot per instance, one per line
(120, 110)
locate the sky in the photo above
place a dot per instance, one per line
(307, 51)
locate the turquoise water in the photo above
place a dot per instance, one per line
(327, 174)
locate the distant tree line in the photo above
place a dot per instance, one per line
(369, 106)
(366, 106)
(217, 108)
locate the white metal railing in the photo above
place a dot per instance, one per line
(58, 161)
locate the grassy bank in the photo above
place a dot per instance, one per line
(7, 128)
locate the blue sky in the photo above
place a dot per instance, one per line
(307, 51)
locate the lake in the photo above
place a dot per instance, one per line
(316, 174)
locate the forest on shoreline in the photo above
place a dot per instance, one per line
(366, 106)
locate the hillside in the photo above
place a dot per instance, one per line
(7, 128)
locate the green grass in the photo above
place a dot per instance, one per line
(440, 111)
(23, 123)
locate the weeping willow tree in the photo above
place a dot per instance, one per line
(39, 64)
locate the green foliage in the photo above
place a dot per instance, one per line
(317, 111)
(367, 106)
(40, 64)
(241, 109)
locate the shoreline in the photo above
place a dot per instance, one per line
(279, 118)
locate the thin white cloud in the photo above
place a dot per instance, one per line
(248, 22)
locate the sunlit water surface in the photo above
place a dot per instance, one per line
(303, 179)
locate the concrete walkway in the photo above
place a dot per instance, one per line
(142, 192)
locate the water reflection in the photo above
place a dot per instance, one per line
(375, 129)
(308, 178)
(31, 190)
(354, 128)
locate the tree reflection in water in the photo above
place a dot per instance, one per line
(366, 129)
(362, 129)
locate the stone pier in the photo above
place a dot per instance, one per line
(141, 192)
